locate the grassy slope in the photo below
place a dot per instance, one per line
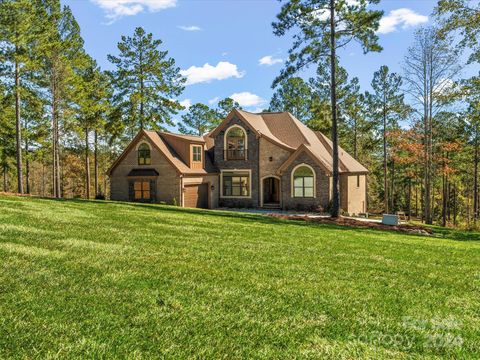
(98, 279)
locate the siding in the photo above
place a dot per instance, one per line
(356, 202)
(167, 183)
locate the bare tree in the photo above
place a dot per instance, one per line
(429, 67)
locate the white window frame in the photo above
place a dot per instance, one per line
(225, 145)
(201, 153)
(292, 187)
(236, 171)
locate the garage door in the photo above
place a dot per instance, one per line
(196, 196)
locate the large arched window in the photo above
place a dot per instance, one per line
(235, 144)
(303, 179)
(144, 157)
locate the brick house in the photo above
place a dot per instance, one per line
(268, 160)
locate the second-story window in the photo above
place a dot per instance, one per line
(197, 153)
(144, 157)
(235, 144)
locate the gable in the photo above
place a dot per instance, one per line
(129, 157)
(304, 150)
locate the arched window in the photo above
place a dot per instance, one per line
(144, 154)
(235, 144)
(303, 178)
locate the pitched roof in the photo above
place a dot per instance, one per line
(175, 159)
(286, 130)
(189, 138)
(172, 157)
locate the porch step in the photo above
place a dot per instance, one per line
(271, 206)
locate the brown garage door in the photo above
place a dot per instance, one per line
(196, 196)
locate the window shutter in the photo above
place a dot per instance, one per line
(130, 191)
(153, 191)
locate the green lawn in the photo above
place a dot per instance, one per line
(92, 279)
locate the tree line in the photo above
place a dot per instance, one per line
(63, 118)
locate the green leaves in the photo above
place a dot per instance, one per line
(145, 82)
(199, 120)
(310, 19)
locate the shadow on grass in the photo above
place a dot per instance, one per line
(439, 232)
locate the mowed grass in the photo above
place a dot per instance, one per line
(93, 279)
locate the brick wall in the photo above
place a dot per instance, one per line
(167, 183)
(250, 164)
(322, 186)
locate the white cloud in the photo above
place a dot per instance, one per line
(186, 103)
(116, 9)
(400, 17)
(247, 99)
(206, 73)
(269, 60)
(190, 28)
(214, 100)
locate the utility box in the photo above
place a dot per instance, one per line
(389, 219)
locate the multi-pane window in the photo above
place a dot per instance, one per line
(303, 182)
(144, 157)
(236, 184)
(235, 147)
(197, 153)
(141, 190)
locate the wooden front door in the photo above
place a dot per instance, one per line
(271, 190)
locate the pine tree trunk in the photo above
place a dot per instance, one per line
(392, 188)
(385, 161)
(409, 201)
(142, 125)
(57, 160)
(18, 128)
(444, 200)
(454, 207)
(95, 160)
(27, 167)
(355, 155)
(54, 140)
(87, 165)
(336, 191)
(475, 177)
(43, 178)
(5, 180)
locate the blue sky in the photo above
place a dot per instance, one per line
(235, 39)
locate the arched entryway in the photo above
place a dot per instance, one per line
(271, 192)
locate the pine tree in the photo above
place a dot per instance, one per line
(429, 67)
(387, 107)
(324, 26)
(462, 16)
(225, 106)
(18, 29)
(295, 96)
(145, 81)
(92, 99)
(199, 120)
(62, 53)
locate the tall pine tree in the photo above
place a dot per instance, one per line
(145, 82)
(323, 27)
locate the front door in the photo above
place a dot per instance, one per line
(271, 191)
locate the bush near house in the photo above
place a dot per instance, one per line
(97, 279)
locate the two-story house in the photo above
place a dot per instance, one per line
(269, 160)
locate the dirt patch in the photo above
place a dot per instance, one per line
(342, 221)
